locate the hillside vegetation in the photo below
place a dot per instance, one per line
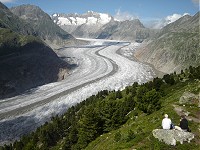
(120, 120)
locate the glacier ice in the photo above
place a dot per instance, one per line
(100, 67)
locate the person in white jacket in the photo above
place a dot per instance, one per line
(166, 122)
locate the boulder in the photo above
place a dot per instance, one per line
(170, 137)
(187, 98)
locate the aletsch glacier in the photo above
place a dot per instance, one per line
(100, 67)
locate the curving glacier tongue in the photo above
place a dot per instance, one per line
(100, 67)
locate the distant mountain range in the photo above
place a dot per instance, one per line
(24, 29)
(99, 25)
(175, 47)
(129, 30)
(82, 25)
(89, 18)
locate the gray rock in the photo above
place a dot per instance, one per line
(187, 98)
(170, 137)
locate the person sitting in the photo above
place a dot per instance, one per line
(184, 123)
(166, 122)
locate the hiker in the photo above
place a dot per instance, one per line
(183, 124)
(166, 122)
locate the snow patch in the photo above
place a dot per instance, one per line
(80, 21)
(104, 18)
(54, 15)
(63, 21)
(91, 21)
(73, 20)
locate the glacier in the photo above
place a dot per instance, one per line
(102, 65)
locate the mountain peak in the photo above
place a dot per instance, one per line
(2, 6)
(29, 12)
(88, 18)
(42, 23)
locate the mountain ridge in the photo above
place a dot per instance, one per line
(175, 47)
(42, 24)
(11, 21)
(110, 28)
(89, 18)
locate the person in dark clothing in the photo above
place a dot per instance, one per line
(184, 124)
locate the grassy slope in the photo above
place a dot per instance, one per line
(144, 124)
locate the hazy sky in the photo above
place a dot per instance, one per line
(145, 10)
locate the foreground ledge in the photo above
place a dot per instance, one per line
(170, 137)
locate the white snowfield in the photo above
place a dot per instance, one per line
(95, 19)
(100, 67)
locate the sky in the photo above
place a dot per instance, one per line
(148, 11)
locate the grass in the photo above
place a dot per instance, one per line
(143, 125)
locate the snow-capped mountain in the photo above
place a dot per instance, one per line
(101, 25)
(89, 18)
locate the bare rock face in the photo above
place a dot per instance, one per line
(170, 137)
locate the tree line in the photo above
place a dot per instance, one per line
(101, 113)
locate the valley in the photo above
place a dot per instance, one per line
(77, 79)
(99, 67)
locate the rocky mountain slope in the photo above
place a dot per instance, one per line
(25, 61)
(175, 47)
(43, 25)
(125, 30)
(8, 20)
(98, 25)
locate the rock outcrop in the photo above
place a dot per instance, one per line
(170, 137)
(188, 98)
